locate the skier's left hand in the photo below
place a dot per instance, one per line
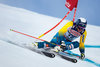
(63, 46)
(82, 56)
(57, 49)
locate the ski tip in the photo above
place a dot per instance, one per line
(51, 55)
(74, 61)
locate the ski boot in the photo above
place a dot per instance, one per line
(61, 47)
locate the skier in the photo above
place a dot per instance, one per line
(65, 36)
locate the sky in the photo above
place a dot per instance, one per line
(88, 9)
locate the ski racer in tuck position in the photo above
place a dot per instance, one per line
(65, 36)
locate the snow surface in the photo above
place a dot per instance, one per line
(35, 24)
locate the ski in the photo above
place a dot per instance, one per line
(69, 59)
(51, 55)
(36, 50)
(41, 51)
(66, 57)
(46, 52)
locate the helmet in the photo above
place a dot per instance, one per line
(81, 23)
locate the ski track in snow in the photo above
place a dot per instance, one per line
(35, 24)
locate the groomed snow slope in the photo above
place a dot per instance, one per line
(35, 24)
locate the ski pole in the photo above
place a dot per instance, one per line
(55, 25)
(26, 35)
(31, 36)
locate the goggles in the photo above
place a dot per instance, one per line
(82, 25)
(79, 28)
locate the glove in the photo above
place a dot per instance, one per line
(57, 49)
(82, 56)
(63, 46)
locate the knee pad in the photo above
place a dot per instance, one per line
(76, 44)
